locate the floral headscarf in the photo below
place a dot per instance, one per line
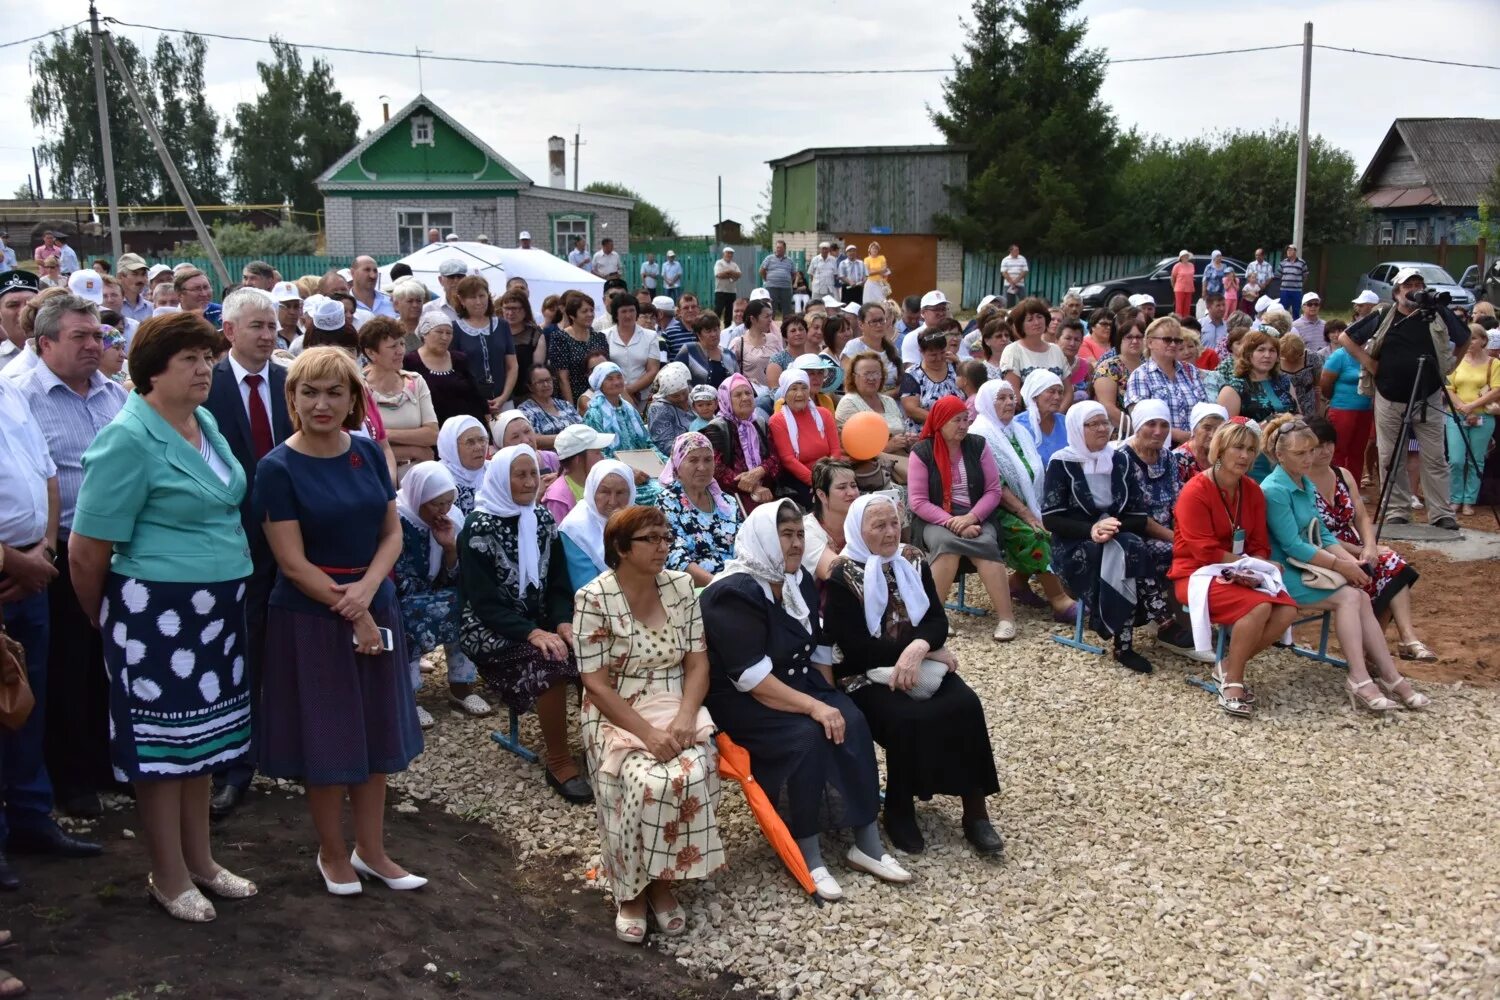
(749, 437)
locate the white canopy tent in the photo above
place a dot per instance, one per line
(544, 274)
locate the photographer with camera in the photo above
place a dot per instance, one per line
(1407, 351)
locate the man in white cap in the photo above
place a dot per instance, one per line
(671, 276)
(87, 284)
(155, 275)
(1363, 304)
(1309, 326)
(674, 334)
(823, 272)
(1410, 350)
(288, 312)
(650, 271)
(934, 307)
(578, 448)
(726, 282)
(132, 272)
(524, 240)
(451, 238)
(450, 273)
(1146, 304)
(852, 274)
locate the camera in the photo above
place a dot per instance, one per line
(1430, 300)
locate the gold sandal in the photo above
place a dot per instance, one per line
(1416, 650)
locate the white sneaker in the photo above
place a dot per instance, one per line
(424, 718)
(1005, 631)
(471, 704)
(886, 869)
(826, 886)
(1416, 503)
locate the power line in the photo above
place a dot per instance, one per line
(1419, 59)
(45, 34)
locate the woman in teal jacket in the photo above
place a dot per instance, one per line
(1292, 520)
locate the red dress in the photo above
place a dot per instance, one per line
(1391, 572)
(1202, 532)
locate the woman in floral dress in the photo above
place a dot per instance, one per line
(647, 738)
(703, 520)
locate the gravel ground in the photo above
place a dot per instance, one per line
(1154, 847)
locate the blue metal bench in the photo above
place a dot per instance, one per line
(1321, 654)
(511, 739)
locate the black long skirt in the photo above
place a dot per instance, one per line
(940, 746)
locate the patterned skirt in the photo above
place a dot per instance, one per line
(1026, 549)
(179, 700)
(519, 672)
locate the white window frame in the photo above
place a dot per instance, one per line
(1409, 234)
(422, 132)
(426, 214)
(1387, 234)
(562, 246)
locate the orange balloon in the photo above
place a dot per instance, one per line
(865, 435)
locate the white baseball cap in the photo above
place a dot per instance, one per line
(1140, 299)
(346, 274)
(285, 291)
(156, 271)
(524, 235)
(664, 303)
(934, 298)
(852, 308)
(451, 238)
(1366, 298)
(729, 249)
(825, 245)
(830, 302)
(575, 439)
(809, 362)
(88, 285)
(1263, 303)
(986, 301)
(759, 293)
(671, 253)
(1406, 274)
(1312, 297)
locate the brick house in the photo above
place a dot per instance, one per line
(422, 170)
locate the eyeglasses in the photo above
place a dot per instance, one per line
(1169, 340)
(655, 538)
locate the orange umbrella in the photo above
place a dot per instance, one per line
(734, 762)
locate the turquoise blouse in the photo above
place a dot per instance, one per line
(149, 491)
(1290, 507)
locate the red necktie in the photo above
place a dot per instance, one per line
(260, 421)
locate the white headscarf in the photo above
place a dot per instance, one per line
(1148, 410)
(423, 482)
(494, 498)
(1012, 470)
(877, 594)
(1202, 411)
(447, 448)
(1093, 462)
(602, 371)
(789, 378)
(1038, 382)
(757, 554)
(673, 378)
(502, 421)
(584, 525)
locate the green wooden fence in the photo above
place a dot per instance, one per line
(1050, 277)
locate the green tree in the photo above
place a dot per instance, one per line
(1025, 95)
(759, 233)
(1234, 191)
(189, 127)
(646, 220)
(240, 239)
(298, 126)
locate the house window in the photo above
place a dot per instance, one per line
(566, 229)
(1410, 238)
(421, 131)
(1387, 235)
(411, 228)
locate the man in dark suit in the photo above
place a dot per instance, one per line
(248, 400)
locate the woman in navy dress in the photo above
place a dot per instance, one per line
(771, 690)
(339, 708)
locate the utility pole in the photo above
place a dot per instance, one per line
(36, 166)
(721, 201)
(577, 141)
(1299, 216)
(204, 236)
(108, 150)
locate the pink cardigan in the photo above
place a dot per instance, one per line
(923, 507)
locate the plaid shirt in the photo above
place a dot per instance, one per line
(1180, 394)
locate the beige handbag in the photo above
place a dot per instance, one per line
(16, 699)
(1316, 576)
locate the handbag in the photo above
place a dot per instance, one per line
(930, 676)
(1316, 577)
(16, 699)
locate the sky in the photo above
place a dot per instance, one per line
(671, 136)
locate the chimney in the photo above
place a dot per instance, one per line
(557, 162)
(385, 111)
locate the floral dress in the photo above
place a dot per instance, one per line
(1391, 571)
(1305, 385)
(1159, 485)
(429, 605)
(545, 423)
(1260, 401)
(1112, 367)
(564, 354)
(657, 819)
(928, 391)
(697, 537)
(1187, 463)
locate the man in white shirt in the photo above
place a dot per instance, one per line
(606, 261)
(67, 256)
(450, 273)
(16, 289)
(650, 271)
(934, 311)
(7, 254)
(1015, 269)
(851, 275)
(726, 282)
(823, 272)
(131, 270)
(1214, 332)
(671, 277)
(579, 256)
(364, 276)
(288, 301)
(1261, 267)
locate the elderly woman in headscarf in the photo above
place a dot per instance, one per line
(885, 616)
(801, 432)
(427, 582)
(745, 465)
(517, 607)
(703, 520)
(771, 690)
(610, 486)
(463, 445)
(954, 489)
(1191, 457)
(611, 412)
(1042, 395)
(1023, 538)
(670, 413)
(1093, 504)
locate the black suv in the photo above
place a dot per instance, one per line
(1157, 283)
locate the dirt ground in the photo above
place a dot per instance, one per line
(86, 930)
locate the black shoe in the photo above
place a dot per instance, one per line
(225, 800)
(1397, 519)
(575, 790)
(1175, 635)
(904, 832)
(51, 841)
(982, 835)
(1446, 523)
(80, 805)
(9, 880)
(1131, 660)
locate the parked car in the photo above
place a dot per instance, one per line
(1485, 290)
(1157, 283)
(1378, 280)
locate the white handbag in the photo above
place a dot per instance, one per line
(929, 678)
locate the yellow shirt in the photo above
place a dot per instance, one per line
(876, 266)
(1470, 381)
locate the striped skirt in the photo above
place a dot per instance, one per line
(179, 700)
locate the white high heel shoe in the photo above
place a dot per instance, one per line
(339, 888)
(407, 881)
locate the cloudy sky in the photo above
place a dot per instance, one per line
(670, 136)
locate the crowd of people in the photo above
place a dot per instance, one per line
(229, 547)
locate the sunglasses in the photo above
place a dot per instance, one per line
(1169, 340)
